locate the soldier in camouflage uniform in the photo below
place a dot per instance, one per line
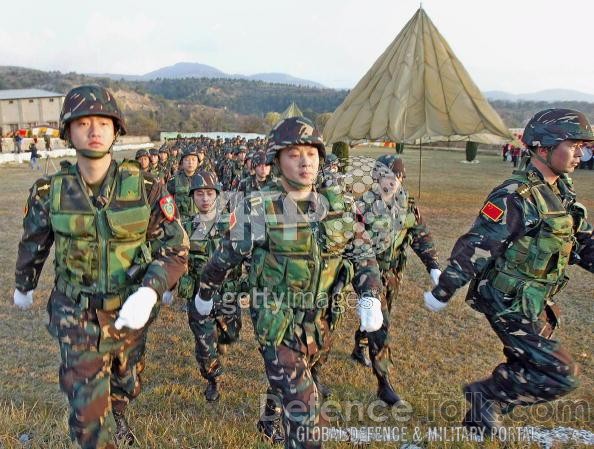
(394, 223)
(515, 255)
(260, 177)
(221, 326)
(164, 164)
(179, 186)
(142, 157)
(118, 246)
(226, 169)
(297, 239)
(154, 168)
(204, 162)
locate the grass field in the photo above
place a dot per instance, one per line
(434, 354)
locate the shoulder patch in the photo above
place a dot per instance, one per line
(232, 220)
(491, 211)
(167, 205)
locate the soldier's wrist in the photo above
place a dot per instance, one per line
(441, 294)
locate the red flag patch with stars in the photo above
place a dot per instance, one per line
(167, 205)
(492, 211)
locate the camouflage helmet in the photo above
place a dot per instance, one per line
(204, 180)
(88, 100)
(552, 126)
(331, 159)
(154, 152)
(189, 151)
(259, 158)
(164, 149)
(390, 162)
(140, 153)
(293, 131)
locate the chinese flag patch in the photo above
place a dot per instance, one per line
(232, 220)
(167, 205)
(492, 211)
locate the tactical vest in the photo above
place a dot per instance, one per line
(300, 260)
(183, 200)
(394, 228)
(95, 247)
(533, 267)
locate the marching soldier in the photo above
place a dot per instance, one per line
(297, 239)
(180, 185)
(104, 217)
(221, 326)
(516, 253)
(394, 223)
(142, 157)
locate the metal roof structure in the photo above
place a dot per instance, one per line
(17, 94)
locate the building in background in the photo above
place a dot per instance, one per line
(25, 109)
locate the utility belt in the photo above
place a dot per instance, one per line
(87, 300)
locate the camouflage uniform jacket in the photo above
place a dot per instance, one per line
(167, 240)
(179, 187)
(394, 226)
(509, 214)
(297, 253)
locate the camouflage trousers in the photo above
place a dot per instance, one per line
(379, 341)
(221, 326)
(537, 369)
(100, 367)
(289, 372)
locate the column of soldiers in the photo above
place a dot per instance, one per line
(289, 237)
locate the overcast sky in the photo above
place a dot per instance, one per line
(518, 46)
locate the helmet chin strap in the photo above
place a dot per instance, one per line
(548, 160)
(94, 154)
(297, 185)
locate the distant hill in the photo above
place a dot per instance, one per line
(197, 70)
(549, 95)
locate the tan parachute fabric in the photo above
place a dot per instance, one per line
(292, 111)
(416, 92)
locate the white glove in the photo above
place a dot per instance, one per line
(136, 310)
(203, 307)
(432, 303)
(168, 297)
(369, 310)
(23, 300)
(434, 274)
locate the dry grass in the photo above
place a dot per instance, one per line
(434, 354)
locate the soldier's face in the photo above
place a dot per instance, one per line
(163, 157)
(144, 162)
(566, 156)
(190, 164)
(200, 156)
(262, 170)
(300, 163)
(241, 155)
(92, 133)
(205, 199)
(389, 185)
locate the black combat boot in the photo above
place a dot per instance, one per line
(484, 414)
(359, 353)
(270, 425)
(385, 391)
(211, 393)
(323, 390)
(123, 434)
